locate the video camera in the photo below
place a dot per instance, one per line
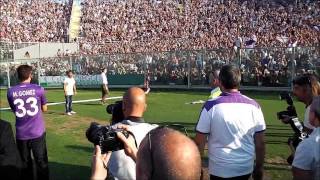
(106, 137)
(116, 111)
(291, 118)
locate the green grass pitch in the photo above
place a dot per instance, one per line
(70, 153)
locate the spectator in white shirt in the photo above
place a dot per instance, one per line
(104, 86)
(69, 90)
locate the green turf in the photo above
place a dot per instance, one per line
(69, 152)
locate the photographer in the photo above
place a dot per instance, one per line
(306, 163)
(133, 106)
(164, 153)
(305, 87)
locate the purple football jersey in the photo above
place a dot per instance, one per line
(26, 101)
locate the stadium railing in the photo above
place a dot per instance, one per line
(260, 67)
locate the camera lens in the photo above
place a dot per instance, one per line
(109, 108)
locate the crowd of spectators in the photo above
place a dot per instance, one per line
(125, 26)
(144, 37)
(140, 25)
(260, 67)
(34, 20)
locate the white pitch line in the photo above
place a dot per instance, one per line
(78, 101)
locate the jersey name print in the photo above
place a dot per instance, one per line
(26, 101)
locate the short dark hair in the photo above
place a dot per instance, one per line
(302, 80)
(69, 71)
(308, 80)
(24, 72)
(230, 77)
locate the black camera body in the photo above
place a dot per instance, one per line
(291, 110)
(299, 135)
(106, 137)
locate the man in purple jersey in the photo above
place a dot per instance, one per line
(27, 102)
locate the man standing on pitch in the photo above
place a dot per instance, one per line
(234, 125)
(104, 86)
(28, 101)
(69, 90)
(214, 84)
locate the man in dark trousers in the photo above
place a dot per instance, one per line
(27, 102)
(10, 162)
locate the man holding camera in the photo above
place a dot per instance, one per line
(234, 125)
(134, 105)
(164, 153)
(306, 163)
(305, 87)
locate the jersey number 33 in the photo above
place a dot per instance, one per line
(22, 111)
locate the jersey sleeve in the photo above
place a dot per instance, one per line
(10, 99)
(43, 98)
(259, 119)
(203, 125)
(303, 156)
(65, 81)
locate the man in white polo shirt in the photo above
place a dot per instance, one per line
(235, 128)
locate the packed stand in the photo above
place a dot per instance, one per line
(140, 26)
(34, 20)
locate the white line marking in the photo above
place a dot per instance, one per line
(196, 102)
(78, 101)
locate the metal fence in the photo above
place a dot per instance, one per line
(267, 67)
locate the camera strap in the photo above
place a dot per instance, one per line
(135, 141)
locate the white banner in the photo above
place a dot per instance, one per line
(81, 80)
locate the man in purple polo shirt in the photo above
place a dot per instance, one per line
(234, 125)
(28, 101)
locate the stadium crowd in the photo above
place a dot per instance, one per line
(34, 21)
(261, 67)
(153, 26)
(148, 26)
(139, 26)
